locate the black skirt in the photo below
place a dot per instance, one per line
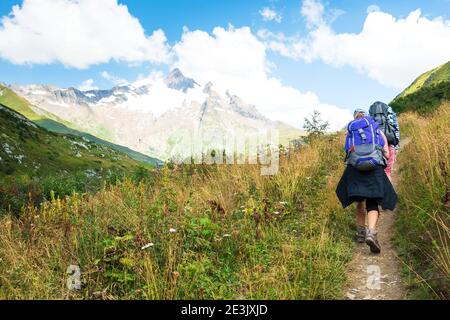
(357, 185)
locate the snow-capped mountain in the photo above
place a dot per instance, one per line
(155, 118)
(176, 80)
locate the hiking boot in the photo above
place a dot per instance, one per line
(360, 236)
(372, 242)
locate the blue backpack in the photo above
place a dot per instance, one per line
(364, 145)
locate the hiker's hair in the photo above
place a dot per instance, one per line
(359, 115)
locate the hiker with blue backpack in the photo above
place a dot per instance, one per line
(364, 180)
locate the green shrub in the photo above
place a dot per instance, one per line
(424, 101)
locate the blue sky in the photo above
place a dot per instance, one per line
(347, 85)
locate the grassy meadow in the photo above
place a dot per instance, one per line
(189, 232)
(226, 231)
(423, 228)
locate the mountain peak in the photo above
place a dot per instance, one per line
(176, 73)
(177, 81)
(208, 88)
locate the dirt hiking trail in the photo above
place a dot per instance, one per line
(377, 277)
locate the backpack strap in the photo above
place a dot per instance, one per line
(362, 134)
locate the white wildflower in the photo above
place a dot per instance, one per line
(80, 144)
(90, 173)
(148, 245)
(19, 158)
(7, 149)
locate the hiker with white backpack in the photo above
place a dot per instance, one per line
(364, 180)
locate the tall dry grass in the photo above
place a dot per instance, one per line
(423, 228)
(194, 232)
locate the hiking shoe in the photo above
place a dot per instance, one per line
(360, 236)
(372, 242)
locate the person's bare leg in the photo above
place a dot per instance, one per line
(361, 214)
(361, 222)
(372, 219)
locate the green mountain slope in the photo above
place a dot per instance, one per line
(428, 79)
(25, 148)
(34, 162)
(19, 104)
(426, 93)
(57, 125)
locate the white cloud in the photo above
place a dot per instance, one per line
(292, 47)
(87, 85)
(113, 79)
(80, 33)
(235, 60)
(146, 80)
(77, 33)
(393, 51)
(373, 8)
(313, 11)
(270, 15)
(160, 98)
